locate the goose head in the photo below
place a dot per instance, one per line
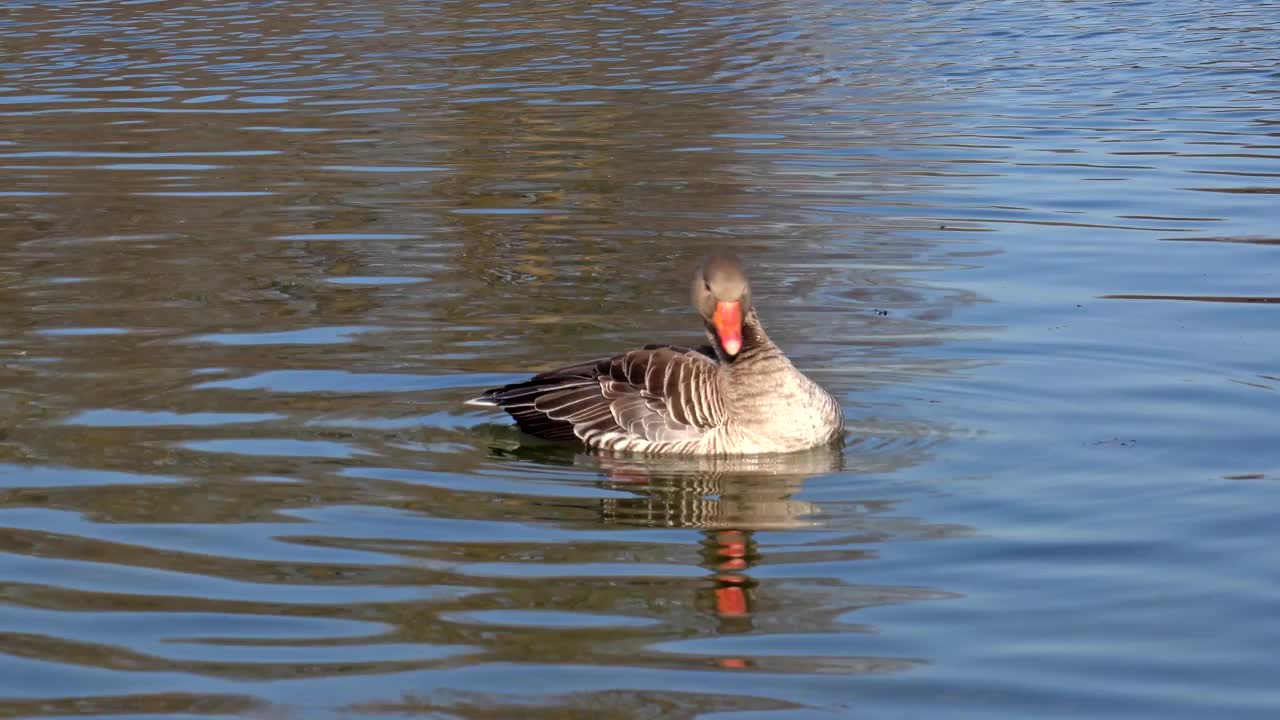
(723, 298)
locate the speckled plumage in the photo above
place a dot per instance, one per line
(673, 400)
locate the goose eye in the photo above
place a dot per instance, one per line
(706, 286)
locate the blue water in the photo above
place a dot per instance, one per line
(256, 254)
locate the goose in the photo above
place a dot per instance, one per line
(738, 396)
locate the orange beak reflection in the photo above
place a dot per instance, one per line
(727, 320)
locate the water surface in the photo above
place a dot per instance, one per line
(254, 256)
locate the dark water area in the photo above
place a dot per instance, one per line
(254, 256)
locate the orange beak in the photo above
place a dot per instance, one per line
(727, 320)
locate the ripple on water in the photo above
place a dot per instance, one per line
(279, 542)
(81, 576)
(163, 418)
(282, 447)
(31, 476)
(548, 619)
(83, 331)
(347, 237)
(307, 336)
(488, 483)
(339, 381)
(376, 280)
(393, 169)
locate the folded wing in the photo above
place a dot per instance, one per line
(660, 395)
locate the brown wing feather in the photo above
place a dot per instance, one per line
(662, 393)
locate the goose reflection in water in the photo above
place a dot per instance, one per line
(713, 493)
(729, 499)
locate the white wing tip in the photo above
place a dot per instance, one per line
(481, 402)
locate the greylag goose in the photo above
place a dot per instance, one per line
(740, 396)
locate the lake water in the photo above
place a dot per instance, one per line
(254, 256)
